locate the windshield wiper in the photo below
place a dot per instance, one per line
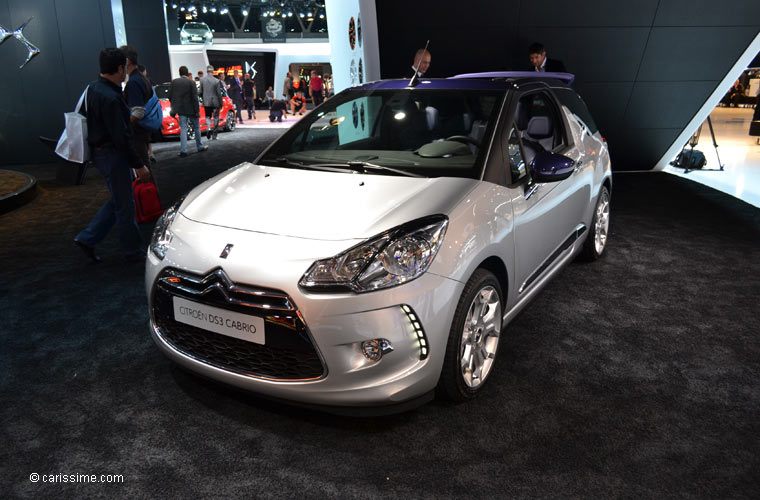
(313, 166)
(363, 166)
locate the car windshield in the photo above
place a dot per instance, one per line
(195, 26)
(430, 133)
(162, 91)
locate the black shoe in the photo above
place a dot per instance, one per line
(182, 154)
(202, 149)
(208, 135)
(88, 251)
(213, 137)
(153, 159)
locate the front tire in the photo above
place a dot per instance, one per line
(596, 241)
(473, 338)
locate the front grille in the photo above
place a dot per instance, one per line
(289, 353)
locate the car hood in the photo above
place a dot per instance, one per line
(319, 205)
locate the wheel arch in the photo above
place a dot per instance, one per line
(496, 266)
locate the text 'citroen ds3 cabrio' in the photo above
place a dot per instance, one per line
(374, 254)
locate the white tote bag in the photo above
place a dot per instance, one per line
(72, 145)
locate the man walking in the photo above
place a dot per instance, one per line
(287, 87)
(110, 139)
(137, 92)
(212, 101)
(235, 91)
(183, 95)
(249, 94)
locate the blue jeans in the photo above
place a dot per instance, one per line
(183, 132)
(119, 210)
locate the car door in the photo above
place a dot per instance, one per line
(546, 215)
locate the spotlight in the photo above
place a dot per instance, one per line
(174, 6)
(321, 16)
(205, 9)
(182, 9)
(245, 12)
(213, 9)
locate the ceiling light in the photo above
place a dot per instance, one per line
(245, 12)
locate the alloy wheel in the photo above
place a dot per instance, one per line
(480, 337)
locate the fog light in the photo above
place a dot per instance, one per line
(375, 349)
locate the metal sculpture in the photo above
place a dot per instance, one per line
(18, 34)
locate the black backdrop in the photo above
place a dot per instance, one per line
(644, 67)
(264, 65)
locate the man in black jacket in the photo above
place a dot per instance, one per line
(183, 94)
(539, 61)
(137, 91)
(235, 91)
(114, 154)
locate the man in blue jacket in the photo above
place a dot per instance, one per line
(183, 95)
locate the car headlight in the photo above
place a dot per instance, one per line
(389, 259)
(162, 234)
(209, 35)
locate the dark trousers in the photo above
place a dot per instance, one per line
(119, 210)
(275, 114)
(249, 106)
(212, 114)
(141, 139)
(316, 97)
(238, 108)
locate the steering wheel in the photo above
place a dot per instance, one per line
(464, 138)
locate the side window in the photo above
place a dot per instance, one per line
(575, 104)
(517, 168)
(539, 124)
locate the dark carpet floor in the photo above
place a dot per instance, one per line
(634, 377)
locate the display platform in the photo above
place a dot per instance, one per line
(16, 189)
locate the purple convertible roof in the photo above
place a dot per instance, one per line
(475, 81)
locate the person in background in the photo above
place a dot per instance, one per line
(249, 94)
(539, 61)
(235, 91)
(269, 97)
(154, 136)
(287, 87)
(183, 95)
(276, 110)
(421, 63)
(114, 154)
(137, 91)
(316, 87)
(297, 103)
(734, 95)
(211, 93)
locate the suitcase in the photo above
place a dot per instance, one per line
(147, 204)
(690, 160)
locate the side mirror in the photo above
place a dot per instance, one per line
(552, 167)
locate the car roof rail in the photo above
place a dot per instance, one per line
(567, 78)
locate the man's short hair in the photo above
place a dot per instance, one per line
(130, 53)
(183, 71)
(209, 69)
(140, 68)
(110, 59)
(536, 48)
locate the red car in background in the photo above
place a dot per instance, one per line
(170, 126)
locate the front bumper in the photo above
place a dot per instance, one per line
(335, 324)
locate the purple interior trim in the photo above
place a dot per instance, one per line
(565, 77)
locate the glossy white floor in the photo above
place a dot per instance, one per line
(738, 151)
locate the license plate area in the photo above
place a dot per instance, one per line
(218, 320)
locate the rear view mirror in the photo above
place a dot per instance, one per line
(552, 167)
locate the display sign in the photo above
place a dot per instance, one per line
(272, 30)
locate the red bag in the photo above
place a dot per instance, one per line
(147, 205)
